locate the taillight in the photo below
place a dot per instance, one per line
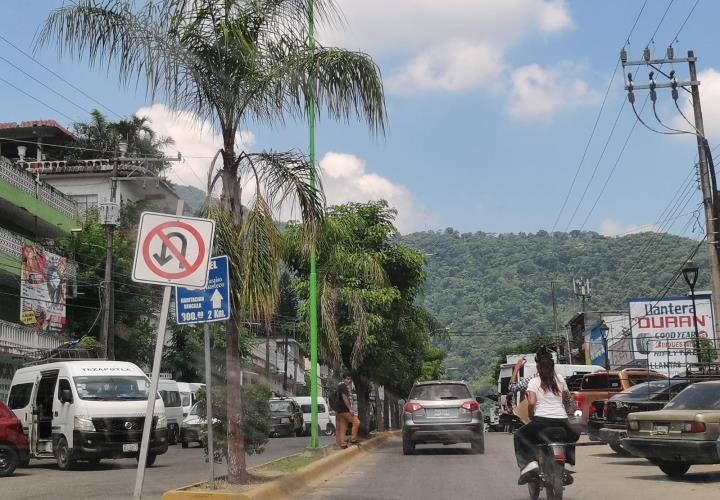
(412, 407)
(693, 427)
(633, 425)
(470, 406)
(579, 400)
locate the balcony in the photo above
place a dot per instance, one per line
(10, 248)
(33, 206)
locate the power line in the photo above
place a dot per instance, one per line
(652, 38)
(675, 38)
(36, 99)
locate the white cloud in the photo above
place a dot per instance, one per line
(611, 227)
(539, 93)
(453, 45)
(346, 179)
(194, 138)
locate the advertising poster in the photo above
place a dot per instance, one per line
(663, 331)
(43, 289)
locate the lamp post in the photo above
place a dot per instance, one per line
(690, 273)
(604, 330)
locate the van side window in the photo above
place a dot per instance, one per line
(20, 396)
(170, 398)
(63, 385)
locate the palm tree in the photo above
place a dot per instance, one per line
(232, 62)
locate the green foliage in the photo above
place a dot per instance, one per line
(432, 367)
(255, 421)
(493, 290)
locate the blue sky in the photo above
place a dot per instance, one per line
(490, 102)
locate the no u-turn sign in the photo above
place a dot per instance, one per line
(173, 250)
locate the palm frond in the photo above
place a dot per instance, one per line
(328, 302)
(360, 319)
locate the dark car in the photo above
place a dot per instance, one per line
(287, 417)
(14, 448)
(610, 426)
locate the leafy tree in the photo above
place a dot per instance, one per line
(232, 62)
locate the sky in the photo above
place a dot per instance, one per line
(492, 106)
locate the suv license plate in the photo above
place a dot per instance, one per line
(442, 412)
(661, 430)
(130, 447)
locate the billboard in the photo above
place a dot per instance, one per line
(663, 331)
(43, 289)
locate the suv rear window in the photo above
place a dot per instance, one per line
(307, 408)
(601, 381)
(439, 392)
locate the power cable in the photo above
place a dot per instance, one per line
(675, 38)
(36, 99)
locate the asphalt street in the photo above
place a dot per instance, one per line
(115, 479)
(450, 472)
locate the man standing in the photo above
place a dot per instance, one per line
(344, 415)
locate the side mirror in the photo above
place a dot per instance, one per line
(480, 399)
(66, 396)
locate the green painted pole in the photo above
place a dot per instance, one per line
(314, 438)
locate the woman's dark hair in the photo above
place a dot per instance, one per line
(346, 375)
(546, 370)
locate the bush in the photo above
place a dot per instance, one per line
(256, 418)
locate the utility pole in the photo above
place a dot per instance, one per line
(582, 290)
(285, 353)
(558, 340)
(706, 168)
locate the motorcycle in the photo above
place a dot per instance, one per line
(552, 475)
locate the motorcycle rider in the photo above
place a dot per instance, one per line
(548, 401)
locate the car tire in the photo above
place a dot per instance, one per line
(617, 448)
(151, 457)
(673, 469)
(299, 432)
(330, 430)
(184, 444)
(408, 447)
(173, 434)
(9, 460)
(63, 455)
(478, 446)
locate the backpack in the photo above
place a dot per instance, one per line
(333, 399)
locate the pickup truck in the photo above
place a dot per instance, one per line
(599, 386)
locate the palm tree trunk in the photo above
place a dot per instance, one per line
(231, 203)
(362, 387)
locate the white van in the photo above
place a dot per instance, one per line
(86, 410)
(325, 422)
(188, 395)
(170, 394)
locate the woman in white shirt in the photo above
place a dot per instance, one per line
(547, 395)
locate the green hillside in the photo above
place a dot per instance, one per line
(494, 289)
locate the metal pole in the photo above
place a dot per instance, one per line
(708, 190)
(285, 384)
(208, 392)
(152, 393)
(314, 439)
(107, 331)
(558, 339)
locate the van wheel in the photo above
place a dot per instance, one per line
(184, 444)
(330, 430)
(9, 460)
(151, 457)
(173, 437)
(673, 469)
(63, 455)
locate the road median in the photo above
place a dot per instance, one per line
(284, 485)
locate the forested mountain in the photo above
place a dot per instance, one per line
(491, 290)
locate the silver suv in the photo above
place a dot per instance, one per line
(444, 412)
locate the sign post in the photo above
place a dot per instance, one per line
(158, 260)
(205, 306)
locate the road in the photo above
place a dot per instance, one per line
(115, 479)
(452, 472)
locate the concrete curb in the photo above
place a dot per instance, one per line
(292, 484)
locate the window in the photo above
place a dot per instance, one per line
(307, 408)
(170, 398)
(439, 392)
(697, 397)
(112, 388)
(63, 385)
(602, 381)
(281, 406)
(185, 399)
(20, 396)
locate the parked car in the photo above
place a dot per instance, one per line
(684, 433)
(599, 386)
(325, 422)
(86, 410)
(287, 418)
(191, 427)
(610, 427)
(442, 412)
(14, 446)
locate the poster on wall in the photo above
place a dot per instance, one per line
(663, 331)
(43, 289)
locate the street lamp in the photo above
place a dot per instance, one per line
(690, 273)
(604, 329)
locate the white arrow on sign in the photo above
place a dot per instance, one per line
(216, 300)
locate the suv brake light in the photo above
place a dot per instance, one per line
(580, 400)
(694, 427)
(470, 406)
(412, 407)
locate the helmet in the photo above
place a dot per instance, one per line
(543, 353)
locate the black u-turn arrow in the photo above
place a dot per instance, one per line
(163, 258)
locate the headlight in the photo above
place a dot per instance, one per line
(84, 424)
(284, 420)
(161, 422)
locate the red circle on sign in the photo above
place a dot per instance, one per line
(157, 232)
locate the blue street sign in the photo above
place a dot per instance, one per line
(209, 304)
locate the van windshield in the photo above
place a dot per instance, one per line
(112, 388)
